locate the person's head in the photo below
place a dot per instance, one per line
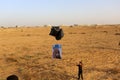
(12, 77)
(80, 62)
(56, 51)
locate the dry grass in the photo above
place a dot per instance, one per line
(27, 52)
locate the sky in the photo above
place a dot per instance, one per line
(58, 12)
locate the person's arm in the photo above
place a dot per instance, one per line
(77, 64)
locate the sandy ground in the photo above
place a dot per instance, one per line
(26, 52)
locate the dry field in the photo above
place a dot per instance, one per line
(27, 52)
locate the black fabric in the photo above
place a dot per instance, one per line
(56, 32)
(59, 34)
(12, 77)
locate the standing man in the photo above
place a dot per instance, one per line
(80, 71)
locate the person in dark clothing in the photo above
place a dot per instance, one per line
(12, 77)
(80, 71)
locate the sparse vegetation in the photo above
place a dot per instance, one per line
(117, 33)
(27, 52)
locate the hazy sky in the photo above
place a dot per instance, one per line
(57, 12)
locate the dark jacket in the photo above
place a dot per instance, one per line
(79, 68)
